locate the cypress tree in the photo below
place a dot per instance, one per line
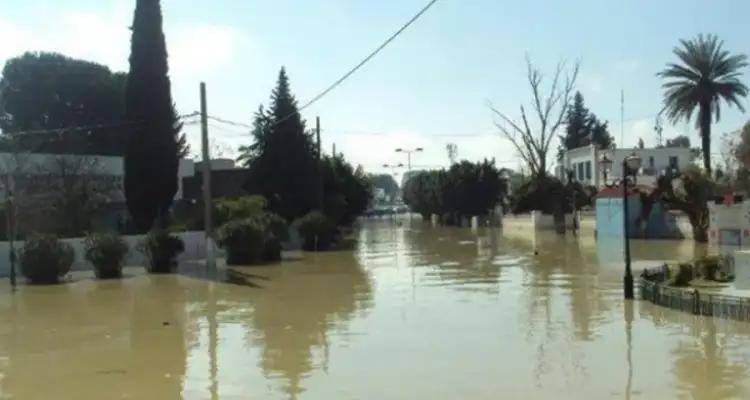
(152, 157)
(282, 161)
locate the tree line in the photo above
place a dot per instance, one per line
(464, 190)
(132, 114)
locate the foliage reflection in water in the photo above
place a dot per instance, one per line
(412, 311)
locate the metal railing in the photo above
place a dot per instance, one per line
(695, 302)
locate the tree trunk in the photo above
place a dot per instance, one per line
(705, 130)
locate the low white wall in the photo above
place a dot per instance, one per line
(195, 249)
(544, 222)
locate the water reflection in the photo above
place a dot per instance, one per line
(413, 312)
(92, 338)
(298, 311)
(461, 259)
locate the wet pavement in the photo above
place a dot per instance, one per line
(411, 312)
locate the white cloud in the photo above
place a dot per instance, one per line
(104, 37)
(201, 49)
(591, 84)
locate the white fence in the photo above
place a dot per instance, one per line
(545, 222)
(195, 249)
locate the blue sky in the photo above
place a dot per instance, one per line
(428, 88)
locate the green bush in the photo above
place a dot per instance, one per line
(243, 241)
(106, 252)
(161, 250)
(226, 210)
(708, 267)
(44, 259)
(317, 230)
(683, 275)
(253, 240)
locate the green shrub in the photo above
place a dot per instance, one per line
(243, 241)
(708, 267)
(161, 250)
(253, 240)
(683, 276)
(106, 252)
(226, 210)
(44, 259)
(318, 231)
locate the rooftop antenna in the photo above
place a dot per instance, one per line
(659, 129)
(622, 118)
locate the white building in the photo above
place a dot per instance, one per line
(28, 165)
(584, 163)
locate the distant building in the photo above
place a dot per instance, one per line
(408, 175)
(32, 166)
(583, 162)
(379, 194)
(227, 181)
(217, 164)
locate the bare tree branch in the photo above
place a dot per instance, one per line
(533, 145)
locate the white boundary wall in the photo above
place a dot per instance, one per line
(546, 222)
(195, 249)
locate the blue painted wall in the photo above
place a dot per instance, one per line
(609, 218)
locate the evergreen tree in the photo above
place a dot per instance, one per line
(582, 128)
(282, 159)
(152, 157)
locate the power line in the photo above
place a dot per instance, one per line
(188, 116)
(456, 135)
(229, 122)
(229, 131)
(71, 129)
(361, 63)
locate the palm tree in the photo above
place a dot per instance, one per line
(706, 75)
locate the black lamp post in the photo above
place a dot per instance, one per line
(606, 164)
(630, 166)
(409, 153)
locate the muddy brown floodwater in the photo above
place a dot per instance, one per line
(412, 312)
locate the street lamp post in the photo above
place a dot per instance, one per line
(408, 154)
(606, 164)
(393, 167)
(630, 166)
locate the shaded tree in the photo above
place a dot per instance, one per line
(347, 190)
(706, 75)
(423, 192)
(532, 141)
(282, 158)
(466, 189)
(262, 123)
(152, 157)
(678, 141)
(690, 193)
(582, 128)
(742, 151)
(43, 91)
(385, 182)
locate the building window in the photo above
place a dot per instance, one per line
(674, 163)
(588, 170)
(651, 162)
(580, 171)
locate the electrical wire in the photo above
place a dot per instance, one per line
(71, 129)
(229, 132)
(229, 122)
(361, 63)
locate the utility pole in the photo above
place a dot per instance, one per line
(319, 165)
(208, 222)
(622, 118)
(334, 150)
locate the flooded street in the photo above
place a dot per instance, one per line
(411, 312)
